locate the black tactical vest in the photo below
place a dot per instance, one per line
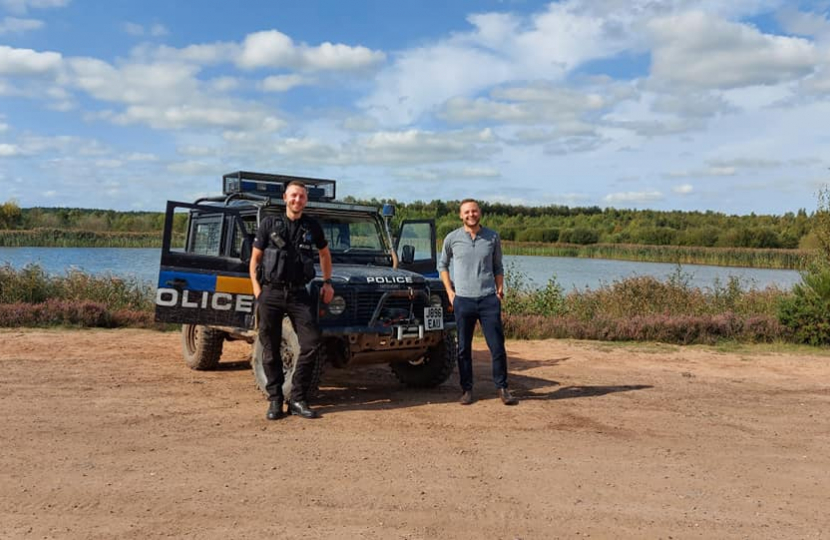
(289, 257)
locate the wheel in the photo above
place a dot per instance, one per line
(432, 369)
(289, 350)
(201, 346)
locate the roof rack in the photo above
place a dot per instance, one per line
(273, 185)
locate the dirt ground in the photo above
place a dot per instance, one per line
(106, 434)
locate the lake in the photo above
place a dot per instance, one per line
(143, 263)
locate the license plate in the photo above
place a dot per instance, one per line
(433, 318)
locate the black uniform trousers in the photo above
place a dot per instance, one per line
(273, 304)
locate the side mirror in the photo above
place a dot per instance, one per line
(247, 248)
(387, 210)
(407, 254)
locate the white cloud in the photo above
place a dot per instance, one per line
(27, 62)
(804, 23)
(283, 83)
(479, 172)
(311, 151)
(9, 150)
(194, 116)
(224, 84)
(706, 172)
(641, 197)
(202, 54)
(141, 156)
(62, 144)
(566, 111)
(683, 189)
(692, 105)
(745, 163)
(108, 163)
(192, 168)
(819, 83)
(660, 127)
(713, 53)
(574, 145)
(419, 175)
(534, 135)
(415, 146)
(134, 83)
(272, 48)
(133, 29)
(158, 30)
(137, 30)
(22, 6)
(498, 49)
(13, 25)
(195, 151)
(360, 123)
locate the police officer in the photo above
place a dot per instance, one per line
(283, 248)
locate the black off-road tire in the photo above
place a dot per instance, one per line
(289, 350)
(434, 368)
(201, 346)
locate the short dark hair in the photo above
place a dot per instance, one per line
(465, 201)
(296, 183)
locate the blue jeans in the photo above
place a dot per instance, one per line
(487, 310)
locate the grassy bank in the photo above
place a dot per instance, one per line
(633, 309)
(782, 259)
(646, 309)
(30, 297)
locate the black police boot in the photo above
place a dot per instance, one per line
(275, 410)
(301, 408)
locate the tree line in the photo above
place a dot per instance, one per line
(594, 225)
(539, 224)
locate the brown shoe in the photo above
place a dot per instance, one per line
(507, 398)
(466, 398)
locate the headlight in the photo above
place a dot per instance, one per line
(435, 301)
(337, 305)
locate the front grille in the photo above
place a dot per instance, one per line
(395, 310)
(361, 304)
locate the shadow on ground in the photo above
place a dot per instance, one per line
(376, 388)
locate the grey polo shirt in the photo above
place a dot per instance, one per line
(475, 262)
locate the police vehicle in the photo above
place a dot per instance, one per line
(389, 305)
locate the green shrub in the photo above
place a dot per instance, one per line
(807, 312)
(579, 235)
(536, 235)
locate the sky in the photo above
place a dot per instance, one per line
(703, 105)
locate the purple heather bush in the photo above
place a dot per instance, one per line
(643, 308)
(31, 297)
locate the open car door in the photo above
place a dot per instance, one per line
(416, 247)
(206, 281)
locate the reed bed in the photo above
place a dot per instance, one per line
(781, 259)
(78, 238)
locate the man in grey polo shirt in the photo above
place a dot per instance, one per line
(475, 294)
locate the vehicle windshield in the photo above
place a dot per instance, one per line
(355, 239)
(351, 233)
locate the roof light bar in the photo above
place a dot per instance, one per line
(273, 185)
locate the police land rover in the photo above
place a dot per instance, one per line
(389, 305)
